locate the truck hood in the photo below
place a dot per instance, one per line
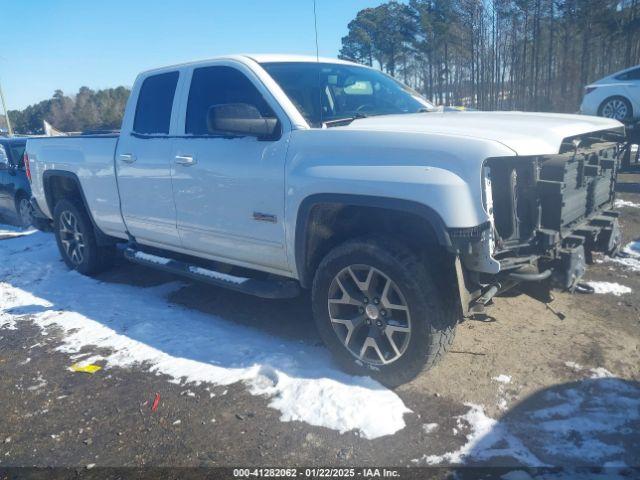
(524, 133)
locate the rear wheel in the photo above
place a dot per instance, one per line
(76, 239)
(24, 211)
(378, 310)
(618, 108)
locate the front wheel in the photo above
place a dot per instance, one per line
(379, 311)
(76, 239)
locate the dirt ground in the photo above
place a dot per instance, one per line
(50, 416)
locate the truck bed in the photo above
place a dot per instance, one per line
(91, 159)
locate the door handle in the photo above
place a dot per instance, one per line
(127, 157)
(185, 160)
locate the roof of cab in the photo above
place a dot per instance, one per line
(282, 57)
(259, 58)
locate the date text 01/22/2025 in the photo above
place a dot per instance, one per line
(316, 472)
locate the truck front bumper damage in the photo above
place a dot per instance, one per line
(561, 266)
(548, 215)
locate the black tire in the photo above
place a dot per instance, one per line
(433, 316)
(25, 220)
(616, 98)
(94, 258)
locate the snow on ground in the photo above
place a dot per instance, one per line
(589, 422)
(139, 326)
(40, 383)
(597, 372)
(429, 427)
(600, 372)
(582, 420)
(9, 231)
(630, 258)
(609, 287)
(574, 366)
(483, 431)
(502, 378)
(619, 203)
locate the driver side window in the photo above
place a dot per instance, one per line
(226, 87)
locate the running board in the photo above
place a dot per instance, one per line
(280, 288)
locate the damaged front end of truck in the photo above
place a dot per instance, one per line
(548, 215)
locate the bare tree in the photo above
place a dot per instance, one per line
(498, 54)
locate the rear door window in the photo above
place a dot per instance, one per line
(155, 101)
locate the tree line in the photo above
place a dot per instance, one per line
(86, 110)
(487, 54)
(498, 54)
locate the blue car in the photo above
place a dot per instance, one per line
(15, 191)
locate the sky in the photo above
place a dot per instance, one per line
(65, 44)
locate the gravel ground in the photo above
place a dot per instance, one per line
(521, 387)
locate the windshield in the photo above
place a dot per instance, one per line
(324, 92)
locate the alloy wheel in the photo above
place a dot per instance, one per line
(369, 314)
(24, 210)
(616, 109)
(71, 238)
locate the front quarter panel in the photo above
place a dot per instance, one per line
(442, 172)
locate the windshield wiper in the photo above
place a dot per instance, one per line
(338, 122)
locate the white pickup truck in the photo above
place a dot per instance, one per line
(270, 174)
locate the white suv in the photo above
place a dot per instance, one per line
(616, 96)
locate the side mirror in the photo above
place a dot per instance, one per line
(241, 119)
(4, 159)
